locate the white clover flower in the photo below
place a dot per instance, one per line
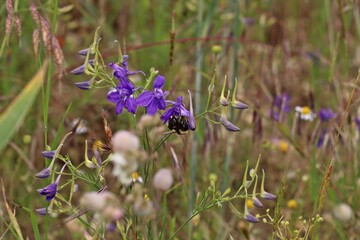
(306, 113)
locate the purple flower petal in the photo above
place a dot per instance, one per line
(119, 107)
(131, 105)
(114, 96)
(49, 191)
(159, 81)
(161, 103)
(152, 108)
(145, 98)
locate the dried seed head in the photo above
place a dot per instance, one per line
(10, 6)
(58, 57)
(34, 13)
(36, 42)
(17, 25)
(8, 24)
(46, 35)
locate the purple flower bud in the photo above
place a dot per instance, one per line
(41, 211)
(239, 105)
(86, 85)
(268, 196)
(50, 190)
(85, 51)
(48, 154)
(228, 125)
(250, 218)
(224, 101)
(257, 202)
(81, 69)
(43, 174)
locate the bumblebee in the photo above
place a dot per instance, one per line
(179, 124)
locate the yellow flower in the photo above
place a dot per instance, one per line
(283, 146)
(292, 204)
(249, 203)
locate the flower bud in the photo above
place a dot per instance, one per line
(228, 125)
(163, 179)
(124, 141)
(343, 212)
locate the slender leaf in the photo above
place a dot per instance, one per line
(12, 118)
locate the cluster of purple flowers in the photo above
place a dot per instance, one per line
(123, 95)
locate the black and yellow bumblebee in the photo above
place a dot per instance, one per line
(180, 124)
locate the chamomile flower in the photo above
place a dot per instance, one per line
(306, 113)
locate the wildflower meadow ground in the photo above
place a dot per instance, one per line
(196, 119)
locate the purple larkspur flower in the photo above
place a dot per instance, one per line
(281, 105)
(48, 154)
(81, 69)
(153, 100)
(122, 96)
(251, 218)
(43, 174)
(326, 114)
(123, 72)
(178, 110)
(50, 190)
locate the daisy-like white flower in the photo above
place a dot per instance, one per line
(305, 113)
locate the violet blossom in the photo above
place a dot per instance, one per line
(153, 100)
(122, 96)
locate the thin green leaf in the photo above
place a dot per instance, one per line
(12, 118)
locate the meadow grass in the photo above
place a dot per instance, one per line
(274, 55)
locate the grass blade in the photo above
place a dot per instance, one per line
(13, 116)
